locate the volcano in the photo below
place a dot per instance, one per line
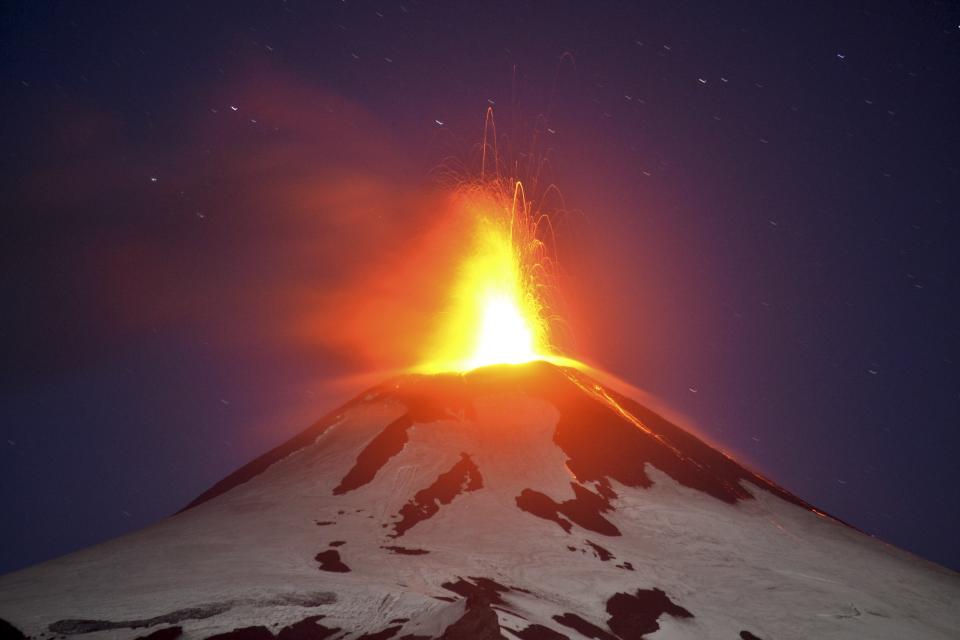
(513, 501)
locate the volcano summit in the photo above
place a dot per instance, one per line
(523, 501)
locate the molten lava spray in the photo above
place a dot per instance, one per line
(497, 311)
(478, 285)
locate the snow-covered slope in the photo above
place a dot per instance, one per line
(512, 502)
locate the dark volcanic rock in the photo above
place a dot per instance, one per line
(539, 632)
(386, 634)
(463, 476)
(602, 553)
(261, 464)
(384, 446)
(244, 633)
(330, 561)
(200, 612)
(746, 635)
(309, 599)
(422, 408)
(307, 629)
(479, 622)
(585, 509)
(542, 506)
(481, 590)
(633, 616)
(612, 438)
(583, 627)
(167, 633)
(609, 436)
(404, 551)
(10, 632)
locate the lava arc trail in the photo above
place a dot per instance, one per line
(498, 309)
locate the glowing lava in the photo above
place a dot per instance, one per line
(504, 334)
(495, 314)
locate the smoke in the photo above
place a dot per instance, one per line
(267, 215)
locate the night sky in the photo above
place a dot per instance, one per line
(208, 213)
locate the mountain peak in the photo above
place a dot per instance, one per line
(605, 435)
(513, 501)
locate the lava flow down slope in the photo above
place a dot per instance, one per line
(512, 501)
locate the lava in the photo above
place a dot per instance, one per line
(498, 310)
(493, 314)
(475, 283)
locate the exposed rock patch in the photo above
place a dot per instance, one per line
(611, 436)
(264, 462)
(539, 632)
(634, 616)
(386, 634)
(199, 612)
(583, 627)
(423, 406)
(480, 590)
(306, 629)
(463, 476)
(585, 509)
(404, 551)
(480, 621)
(602, 553)
(244, 633)
(377, 453)
(330, 561)
(10, 632)
(167, 633)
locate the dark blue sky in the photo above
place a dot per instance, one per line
(767, 238)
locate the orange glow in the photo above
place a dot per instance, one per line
(495, 314)
(472, 281)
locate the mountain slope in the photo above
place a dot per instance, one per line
(511, 502)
